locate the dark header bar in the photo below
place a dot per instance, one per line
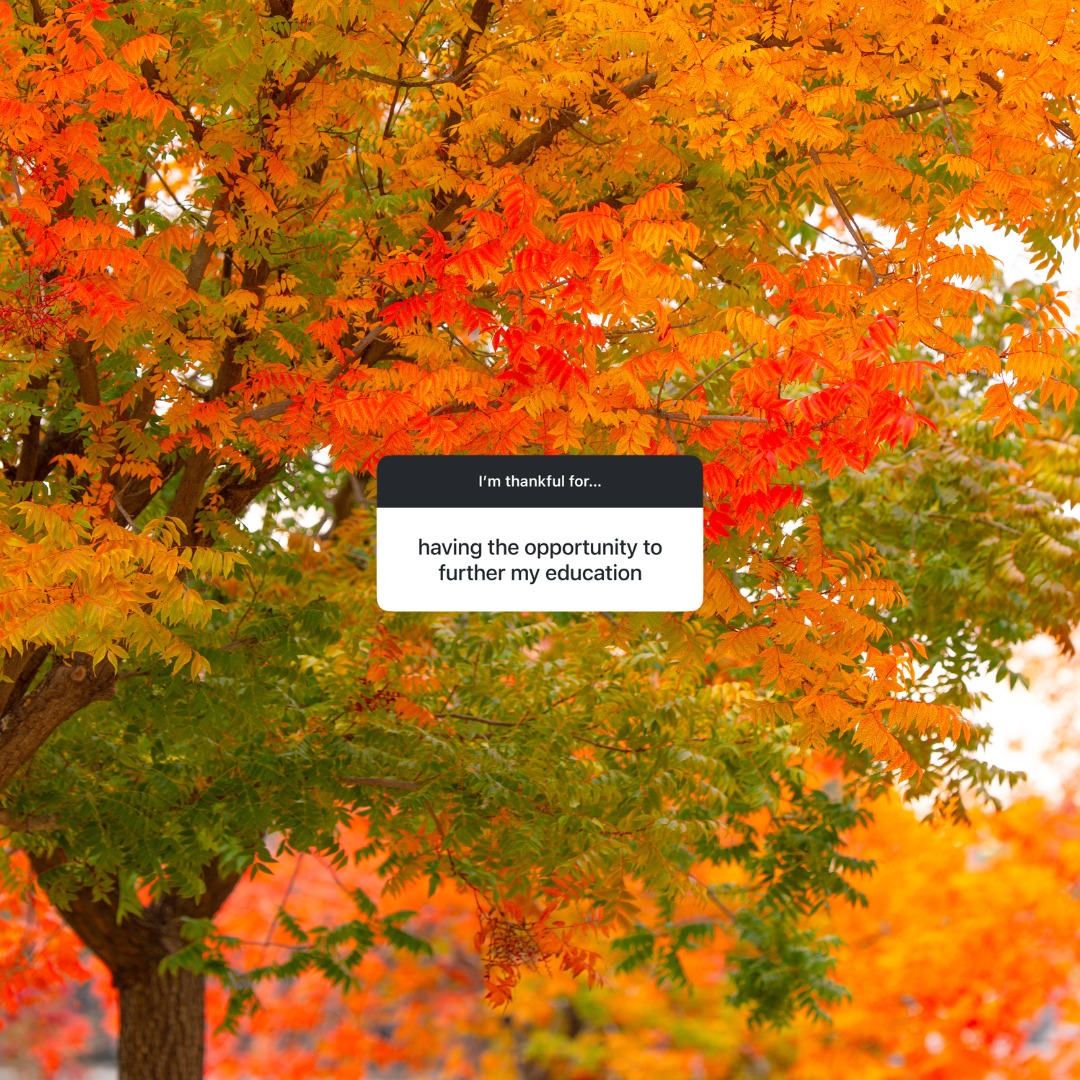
(566, 480)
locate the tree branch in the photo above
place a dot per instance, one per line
(18, 670)
(478, 719)
(33, 823)
(199, 466)
(204, 251)
(544, 136)
(31, 441)
(383, 782)
(405, 84)
(708, 418)
(921, 107)
(850, 223)
(276, 408)
(134, 947)
(82, 362)
(67, 688)
(705, 378)
(606, 99)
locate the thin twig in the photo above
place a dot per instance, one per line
(474, 719)
(710, 892)
(671, 435)
(977, 519)
(828, 235)
(281, 907)
(948, 121)
(383, 782)
(708, 418)
(617, 332)
(172, 195)
(850, 223)
(723, 363)
(614, 749)
(126, 516)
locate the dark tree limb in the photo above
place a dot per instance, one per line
(18, 671)
(85, 368)
(31, 441)
(52, 446)
(383, 782)
(204, 250)
(544, 136)
(199, 466)
(67, 687)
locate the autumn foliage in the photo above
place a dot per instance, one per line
(441, 231)
(251, 247)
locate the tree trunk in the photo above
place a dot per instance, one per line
(162, 1027)
(162, 1017)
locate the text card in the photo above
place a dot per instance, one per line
(559, 533)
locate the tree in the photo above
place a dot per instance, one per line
(237, 233)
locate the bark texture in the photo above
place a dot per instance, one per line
(162, 1028)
